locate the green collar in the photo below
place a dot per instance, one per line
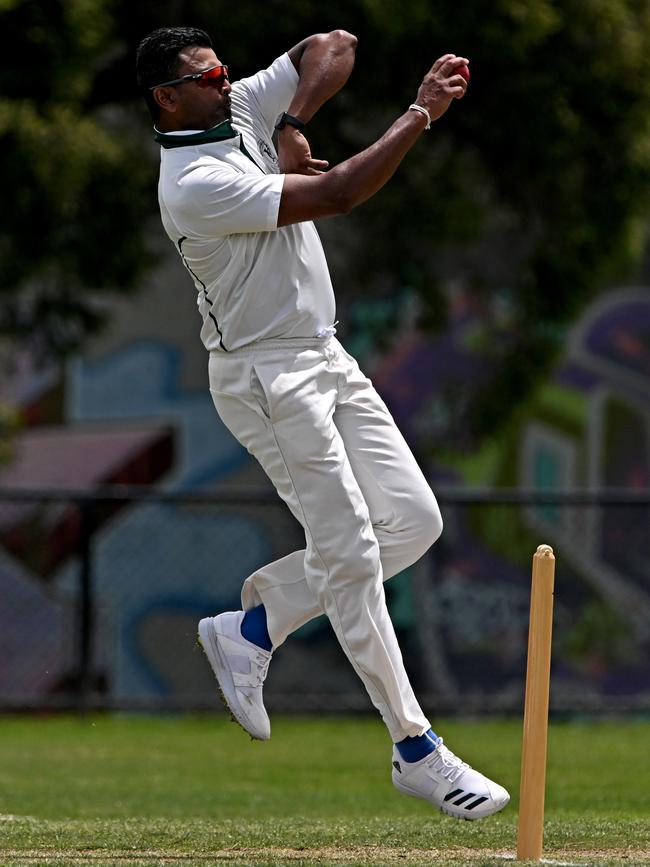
(220, 132)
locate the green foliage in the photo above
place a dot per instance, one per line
(547, 158)
(599, 638)
(76, 182)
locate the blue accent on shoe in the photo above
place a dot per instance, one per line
(414, 749)
(253, 628)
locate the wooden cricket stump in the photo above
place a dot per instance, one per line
(538, 672)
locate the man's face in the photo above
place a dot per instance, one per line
(191, 105)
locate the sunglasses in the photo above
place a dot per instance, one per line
(215, 76)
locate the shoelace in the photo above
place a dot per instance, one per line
(446, 763)
(263, 663)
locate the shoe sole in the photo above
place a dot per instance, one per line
(226, 686)
(444, 808)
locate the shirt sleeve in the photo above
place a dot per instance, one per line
(267, 94)
(216, 200)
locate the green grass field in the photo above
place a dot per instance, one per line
(129, 790)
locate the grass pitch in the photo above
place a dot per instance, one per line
(196, 791)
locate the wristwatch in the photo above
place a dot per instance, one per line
(291, 121)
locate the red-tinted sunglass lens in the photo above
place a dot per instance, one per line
(215, 76)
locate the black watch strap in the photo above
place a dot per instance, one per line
(291, 121)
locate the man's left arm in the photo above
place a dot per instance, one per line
(324, 62)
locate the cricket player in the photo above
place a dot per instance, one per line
(239, 213)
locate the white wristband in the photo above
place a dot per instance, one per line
(422, 110)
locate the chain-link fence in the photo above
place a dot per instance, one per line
(100, 597)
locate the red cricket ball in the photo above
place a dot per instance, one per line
(464, 71)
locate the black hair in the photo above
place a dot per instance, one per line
(156, 58)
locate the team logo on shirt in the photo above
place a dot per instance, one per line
(266, 150)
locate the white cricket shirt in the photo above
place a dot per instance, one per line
(219, 195)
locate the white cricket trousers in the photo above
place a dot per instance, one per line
(326, 440)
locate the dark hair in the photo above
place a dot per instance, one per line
(156, 59)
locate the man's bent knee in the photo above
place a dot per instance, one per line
(428, 521)
(421, 527)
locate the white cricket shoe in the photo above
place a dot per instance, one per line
(240, 668)
(449, 784)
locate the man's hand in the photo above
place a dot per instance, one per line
(441, 84)
(294, 154)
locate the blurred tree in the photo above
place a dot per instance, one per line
(73, 177)
(531, 194)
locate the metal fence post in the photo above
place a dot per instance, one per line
(86, 613)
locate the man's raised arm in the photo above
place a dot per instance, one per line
(324, 62)
(352, 182)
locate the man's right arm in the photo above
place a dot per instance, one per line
(357, 179)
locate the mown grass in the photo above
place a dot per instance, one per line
(194, 790)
